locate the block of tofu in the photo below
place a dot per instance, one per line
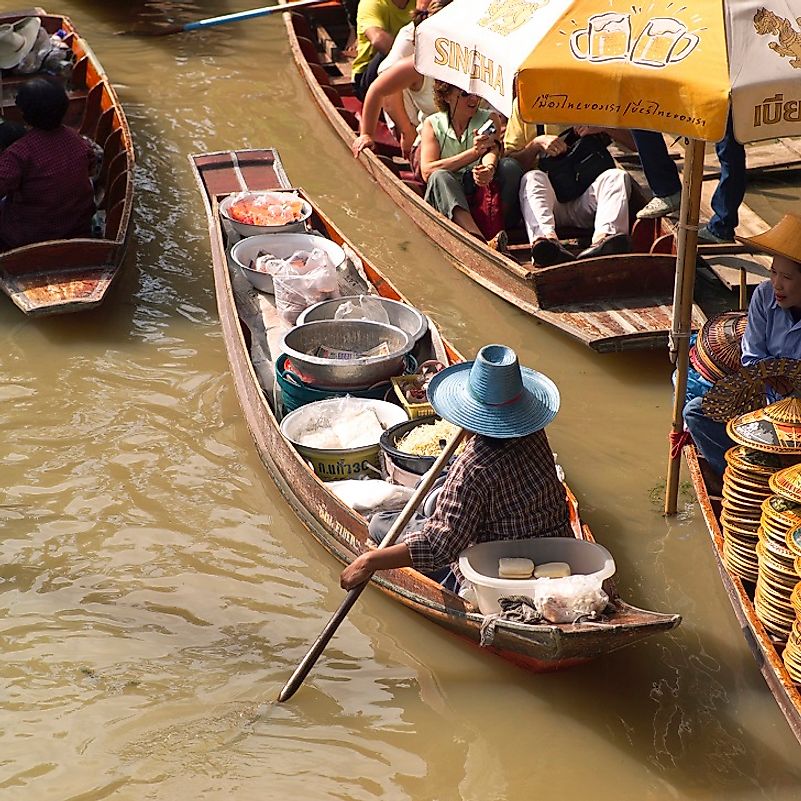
(552, 570)
(515, 567)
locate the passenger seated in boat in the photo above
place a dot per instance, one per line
(604, 206)
(377, 24)
(45, 181)
(406, 96)
(773, 330)
(504, 485)
(26, 47)
(456, 159)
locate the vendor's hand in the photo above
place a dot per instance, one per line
(356, 573)
(483, 174)
(362, 142)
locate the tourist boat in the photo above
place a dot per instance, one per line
(71, 275)
(342, 531)
(766, 651)
(611, 303)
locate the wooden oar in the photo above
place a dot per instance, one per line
(210, 22)
(313, 654)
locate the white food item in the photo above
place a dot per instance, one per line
(515, 567)
(552, 570)
(358, 430)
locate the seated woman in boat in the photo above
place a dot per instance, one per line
(773, 330)
(504, 485)
(405, 94)
(458, 155)
(45, 182)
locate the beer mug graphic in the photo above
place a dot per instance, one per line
(663, 41)
(608, 38)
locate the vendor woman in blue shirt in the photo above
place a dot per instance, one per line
(773, 330)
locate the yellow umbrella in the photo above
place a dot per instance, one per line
(662, 66)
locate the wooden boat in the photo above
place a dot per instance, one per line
(71, 275)
(610, 303)
(249, 321)
(766, 651)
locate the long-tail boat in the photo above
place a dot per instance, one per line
(611, 303)
(249, 325)
(70, 275)
(765, 649)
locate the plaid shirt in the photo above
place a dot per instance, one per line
(496, 490)
(44, 177)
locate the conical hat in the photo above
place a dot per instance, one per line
(745, 390)
(775, 428)
(716, 352)
(784, 239)
(787, 483)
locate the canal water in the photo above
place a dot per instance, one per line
(156, 591)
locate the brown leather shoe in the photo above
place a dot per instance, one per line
(546, 252)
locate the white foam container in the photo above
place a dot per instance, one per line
(479, 565)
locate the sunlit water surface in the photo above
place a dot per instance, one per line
(156, 592)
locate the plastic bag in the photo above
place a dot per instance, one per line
(350, 276)
(363, 308)
(300, 282)
(371, 495)
(341, 423)
(565, 600)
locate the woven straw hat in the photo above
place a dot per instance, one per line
(716, 352)
(787, 483)
(784, 239)
(775, 428)
(16, 41)
(494, 395)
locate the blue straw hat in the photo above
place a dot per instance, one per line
(494, 395)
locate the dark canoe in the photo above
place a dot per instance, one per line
(766, 651)
(70, 275)
(611, 303)
(338, 528)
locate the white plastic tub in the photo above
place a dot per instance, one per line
(479, 565)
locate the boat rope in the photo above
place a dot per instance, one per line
(678, 439)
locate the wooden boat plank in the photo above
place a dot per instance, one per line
(759, 642)
(498, 273)
(63, 276)
(342, 531)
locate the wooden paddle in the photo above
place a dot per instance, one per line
(210, 22)
(313, 654)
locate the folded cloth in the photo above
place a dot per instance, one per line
(514, 608)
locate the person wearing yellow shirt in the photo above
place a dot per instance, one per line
(377, 24)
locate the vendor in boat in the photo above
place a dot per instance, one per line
(45, 182)
(504, 485)
(773, 330)
(458, 156)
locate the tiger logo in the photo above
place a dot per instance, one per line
(506, 16)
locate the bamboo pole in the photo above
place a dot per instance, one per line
(687, 247)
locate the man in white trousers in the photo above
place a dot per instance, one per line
(603, 206)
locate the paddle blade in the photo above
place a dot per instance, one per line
(154, 29)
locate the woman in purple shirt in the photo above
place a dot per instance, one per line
(45, 189)
(773, 330)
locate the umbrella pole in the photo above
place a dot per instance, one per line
(687, 247)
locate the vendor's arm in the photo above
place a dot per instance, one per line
(386, 90)
(380, 39)
(755, 339)
(365, 564)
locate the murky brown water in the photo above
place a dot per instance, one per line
(155, 591)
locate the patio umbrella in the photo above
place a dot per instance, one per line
(662, 66)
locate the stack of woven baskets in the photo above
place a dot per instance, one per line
(716, 352)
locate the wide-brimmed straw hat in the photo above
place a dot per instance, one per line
(784, 239)
(16, 41)
(494, 395)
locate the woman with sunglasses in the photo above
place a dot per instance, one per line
(458, 155)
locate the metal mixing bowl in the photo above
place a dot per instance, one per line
(405, 317)
(356, 336)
